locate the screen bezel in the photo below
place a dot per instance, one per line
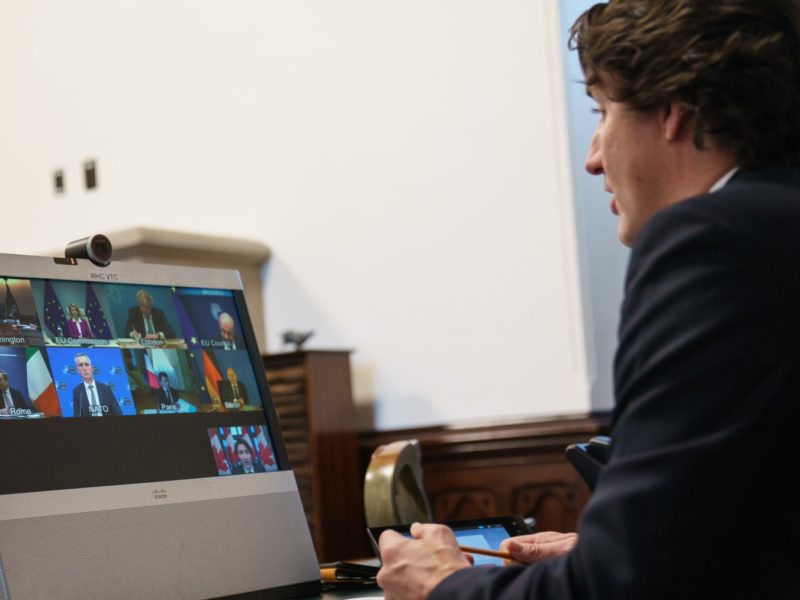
(41, 267)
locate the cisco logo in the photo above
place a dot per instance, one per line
(160, 494)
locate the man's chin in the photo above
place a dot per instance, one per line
(625, 234)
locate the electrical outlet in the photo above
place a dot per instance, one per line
(90, 174)
(58, 181)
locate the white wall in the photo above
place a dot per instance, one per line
(406, 162)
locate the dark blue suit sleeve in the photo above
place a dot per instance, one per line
(706, 387)
(76, 401)
(21, 402)
(110, 400)
(131, 322)
(161, 324)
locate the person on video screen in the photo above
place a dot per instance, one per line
(91, 398)
(12, 402)
(166, 396)
(232, 390)
(227, 332)
(78, 326)
(146, 321)
(244, 453)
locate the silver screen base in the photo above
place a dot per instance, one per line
(199, 549)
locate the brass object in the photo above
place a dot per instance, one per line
(393, 492)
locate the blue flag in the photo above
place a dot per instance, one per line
(189, 333)
(94, 313)
(54, 318)
(195, 353)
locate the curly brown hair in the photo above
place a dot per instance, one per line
(735, 64)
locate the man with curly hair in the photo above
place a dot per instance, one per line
(698, 140)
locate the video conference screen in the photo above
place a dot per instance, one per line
(110, 383)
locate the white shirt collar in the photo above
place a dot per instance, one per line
(723, 180)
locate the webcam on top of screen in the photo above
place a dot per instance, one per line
(97, 248)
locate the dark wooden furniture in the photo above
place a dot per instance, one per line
(312, 395)
(514, 468)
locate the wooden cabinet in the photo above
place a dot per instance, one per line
(313, 398)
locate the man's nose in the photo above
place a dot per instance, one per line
(594, 162)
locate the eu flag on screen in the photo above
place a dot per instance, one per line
(12, 309)
(192, 341)
(95, 315)
(54, 318)
(189, 333)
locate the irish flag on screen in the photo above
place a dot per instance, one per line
(41, 389)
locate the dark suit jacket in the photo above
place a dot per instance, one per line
(162, 399)
(701, 496)
(80, 401)
(136, 321)
(238, 469)
(19, 401)
(226, 391)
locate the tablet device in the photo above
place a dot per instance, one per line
(486, 533)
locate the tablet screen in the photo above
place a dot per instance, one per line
(484, 533)
(487, 537)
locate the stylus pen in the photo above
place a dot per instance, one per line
(471, 550)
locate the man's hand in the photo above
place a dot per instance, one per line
(527, 549)
(412, 568)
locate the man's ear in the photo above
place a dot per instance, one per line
(676, 121)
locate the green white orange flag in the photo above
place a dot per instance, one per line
(41, 389)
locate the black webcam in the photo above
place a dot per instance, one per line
(97, 248)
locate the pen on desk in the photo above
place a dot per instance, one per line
(485, 552)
